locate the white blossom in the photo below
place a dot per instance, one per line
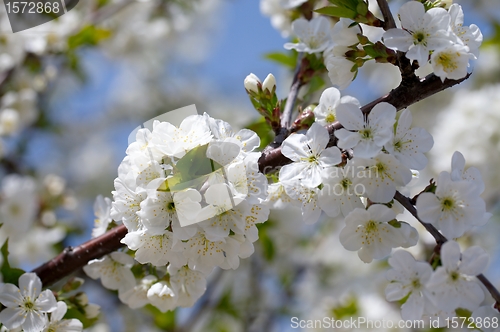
(381, 176)
(451, 61)
(340, 193)
(409, 145)
(314, 35)
(326, 111)
(58, 324)
(26, 306)
(421, 31)
(113, 269)
(369, 233)
(454, 209)
(102, 211)
(366, 135)
(189, 285)
(162, 296)
(408, 277)
(339, 68)
(453, 285)
(309, 155)
(137, 296)
(471, 36)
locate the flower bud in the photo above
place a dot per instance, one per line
(251, 83)
(92, 310)
(269, 83)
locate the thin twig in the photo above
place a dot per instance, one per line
(286, 117)
(406, 202)
(386, 13)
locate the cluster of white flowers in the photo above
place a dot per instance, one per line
(437, 293)
(321, 178)
(28, 308)
(436, 35)
(190, 197)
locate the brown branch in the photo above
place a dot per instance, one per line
(386, 13)
(71, 259)
(407, 204)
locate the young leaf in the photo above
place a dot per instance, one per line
(10, 275)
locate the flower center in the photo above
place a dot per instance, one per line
(28, 304)
(454, 275)
(419, 38)
(330, 118)
(447, 61)
(447, 204)
(171, 206)
(366, 133)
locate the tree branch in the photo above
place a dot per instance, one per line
(71, 259)
(386, 13)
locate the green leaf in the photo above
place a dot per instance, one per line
(362, 8)
(287, 59)
(227, 306)
(10, 275)
(164, 321)
(88, 36)
(269, 250)
(337, 12)
(394, 223)
(348, 309)
(74, 312)
(351, 4)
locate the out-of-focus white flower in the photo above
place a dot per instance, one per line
(19, 204)
(102, 210)
(339, 68)
(137, 296)
(369, 233)
(9, 122)
(471, 36)
(26, 306)
(314, 35)
(408, 277)
(113, 269)
(162, 296)
(58, 324)
(453, 285)
(189, 285)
